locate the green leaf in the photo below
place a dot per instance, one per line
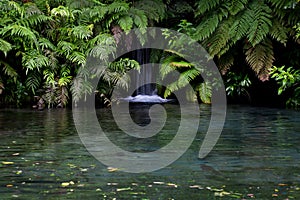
(126, 23)
(5, 46)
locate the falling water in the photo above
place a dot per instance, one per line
(146, 93)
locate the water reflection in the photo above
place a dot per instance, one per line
(258, 153)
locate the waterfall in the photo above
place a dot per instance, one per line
(145, 93)
(145, 76)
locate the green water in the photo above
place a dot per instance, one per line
(257, 157)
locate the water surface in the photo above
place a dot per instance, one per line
(257, 156)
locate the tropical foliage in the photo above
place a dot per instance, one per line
(289, 80)
(44, 44)
(250, 27)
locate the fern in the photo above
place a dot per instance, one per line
(82, 32)
(261, 22)
(236, 6)
(279, 32)
(45, 44)
(65, 48)
(31, 9)
(5, 46)
(241, 25)
(33, 81)
(126, 23)
(34, 60)
(153, 9)
(205, 92)
(15, 6)
(204, 6)
(33, 20)
(139, 19)
(62, 12)
(9, 71)
(20, 31)
(219, 39)
(206, 27)
(78, 58)
(118, 7)
(260, 58)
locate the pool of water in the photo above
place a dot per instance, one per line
(257, 156)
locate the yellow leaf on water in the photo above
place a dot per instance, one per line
(19, 172)
(123, 189)
(7, 163)
(65, 184)
(197, 187)
(112, 169)
(172, 184)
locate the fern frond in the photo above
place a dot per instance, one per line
(139, 18)
(31, 9)
(17, 7)
(205, 92)
(20, 31)
(219, 39)
(5, 46)
(260, 58)
(96, 13)
(166, 66)
(279, 3)
(184, 79)
(65, 48)
(206, 27)
(79, 4)
(126, 23)
(204, 6)
(33, 81)
(44, 43)
(235, 6)
(34, 60)
(154, 9)
(261, 23)
(82, 32)
(9, 71)
(117, 7)
(62, 11)
(241, 25)
(78, 58)
(33, 20)
(225, 61)
(279, 32)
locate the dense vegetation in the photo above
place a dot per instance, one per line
(43, 44)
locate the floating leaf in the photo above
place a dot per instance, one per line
(112, 169)
(123, 189)
(158, 183)
(65, 184)
(7, 163)
(197, 187)
(19, 172)
(172, 185)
